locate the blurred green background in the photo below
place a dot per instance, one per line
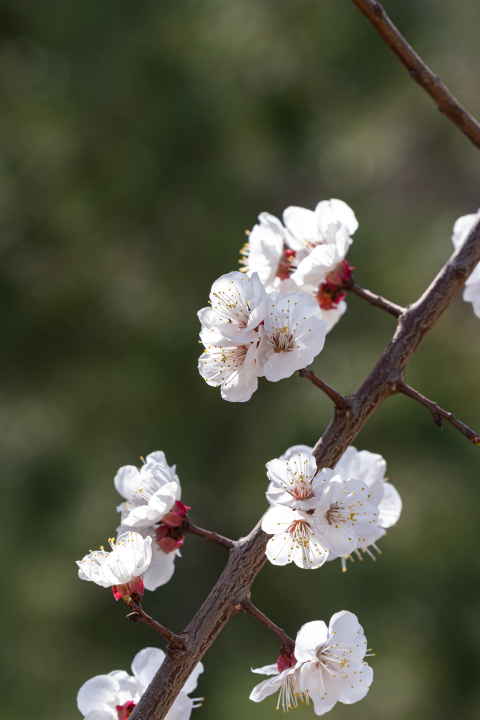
(138, 142)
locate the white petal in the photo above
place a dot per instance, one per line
(331, 211)
(309, 638)
(294, 450)
(280, 549)
(332, 316)
(181, 708)
(390, 506)
(145, 665)
(360, 677)
(277, 518)
(160, 570)
(462, 228)
(126, 481)
(98, 693)
(302, 224)
(102, 715)
(267, 670)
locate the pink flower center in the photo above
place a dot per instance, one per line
(285, 266)
(332, 291)
(124, 711)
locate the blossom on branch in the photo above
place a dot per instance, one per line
(294, 538)
(293, 334)
(306, 253)
(461, 230)
(284, 680)
(113, 696)
(331, 661)
(150, 492)
(296, 482)
(122, 568)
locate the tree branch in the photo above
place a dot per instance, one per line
(422, 74)
(189, 527)
(248, 607)
(376, 300)
(248, 556)
(438, 414)
(339, 400)
(175, 641)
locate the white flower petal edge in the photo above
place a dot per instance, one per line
(116, 694)
(331, 661)
(296, 482)
(238, 306)
(293, 335)
(264, 250)
(233, 369)
(461, 230)
(294, 538)
(344, 515)
(150, 491)
(130, 557)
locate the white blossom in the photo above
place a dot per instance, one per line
(150, 491)
(232, 368)
(296, 482)
(369, 468)
(162, 564)
(343, 515)
(293, 334)
(238, 304)
(307, 251)
(331, 661)
(294, 538)
(284, 680)
(113, 696)
(121, 568)
(461, 230)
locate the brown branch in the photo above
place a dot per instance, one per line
(248, 556)
(139, 615)
(248, 607)
(189, 527)
(339, 400)
(422, 74)
(376, 300)
(438, 414)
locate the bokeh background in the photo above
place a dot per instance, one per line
(138, 141)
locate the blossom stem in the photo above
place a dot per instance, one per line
(248, 607)
(189, 527)
(338, 399)
(438, 414)
(419, 71)
(139, 615)
(376, 300)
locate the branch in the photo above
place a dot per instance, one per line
(252, 610)
(339, 400)
(438, 413)
(422, 74)
(189, 527)
(376, 300)
(248, 556)
(175, 641)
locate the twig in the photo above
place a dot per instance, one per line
(376, 300)
(422, 74)
(139, 614)
(339, 400)
(248, 607)
(438, 414)
(189, 527)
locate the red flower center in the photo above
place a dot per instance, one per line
(124, 711)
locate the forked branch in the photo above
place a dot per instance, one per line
(438, 414)
(189, 527)
(419, 71)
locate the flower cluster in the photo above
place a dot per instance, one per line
(326, 666)
(461, 230)
(317, 515)
(249, 333)
(306, 253)
(113, 696)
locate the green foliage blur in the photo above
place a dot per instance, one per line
(138, 142)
